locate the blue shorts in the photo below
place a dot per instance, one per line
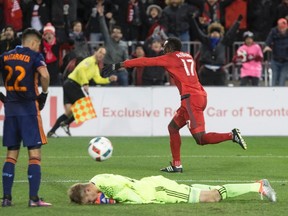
(28, 129)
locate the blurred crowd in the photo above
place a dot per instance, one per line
(72, 31)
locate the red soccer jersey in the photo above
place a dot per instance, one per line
(180, 66)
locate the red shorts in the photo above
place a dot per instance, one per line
(191, 113)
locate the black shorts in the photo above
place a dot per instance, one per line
(72, 92)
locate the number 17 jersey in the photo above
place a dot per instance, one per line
(179, 65)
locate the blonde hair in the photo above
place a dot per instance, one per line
(76, 192)
(217, 26)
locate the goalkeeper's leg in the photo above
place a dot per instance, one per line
(209, 193)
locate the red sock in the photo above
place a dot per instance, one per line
(175, 145)
(215, 138)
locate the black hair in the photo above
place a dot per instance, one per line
(31, 31)
(173, 44)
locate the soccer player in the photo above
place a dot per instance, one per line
(181, 67)
(79, 78)
(20, 69)
(110, 189)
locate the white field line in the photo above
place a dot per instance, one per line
(163, 156)
(187, 181)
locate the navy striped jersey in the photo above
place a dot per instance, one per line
(19, 72)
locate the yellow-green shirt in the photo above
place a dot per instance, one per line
(154, 189)
(86, 70)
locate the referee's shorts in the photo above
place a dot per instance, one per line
(72, 91)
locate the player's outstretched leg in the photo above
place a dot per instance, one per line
(237, 137)
(172, 169)
(267, 191)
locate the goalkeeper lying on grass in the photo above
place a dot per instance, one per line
(110, 189)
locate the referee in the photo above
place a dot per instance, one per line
(79, 78)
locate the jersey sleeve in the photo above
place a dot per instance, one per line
(117, 187)
(98, 78)
(144, 61)
(39, 61)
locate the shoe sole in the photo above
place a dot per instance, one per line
(243, 143)
(266, 183)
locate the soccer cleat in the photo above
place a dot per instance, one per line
(238, 138)
(66, 128)
(52, 134)
(266, 190)
(39, 203)
(6, 203)
(173, 169)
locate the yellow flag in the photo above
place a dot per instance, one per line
(83, 110)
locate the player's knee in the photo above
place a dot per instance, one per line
(198, 139)
(11, 160)
(215, 196)
(172, 129)
(35, 160)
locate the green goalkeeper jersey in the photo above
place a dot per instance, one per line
(154, 189)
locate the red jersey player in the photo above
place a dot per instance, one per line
(181, 67)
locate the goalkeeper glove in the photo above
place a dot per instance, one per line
(41, 98)
(108, 69)
(2, 97)
(101, 199)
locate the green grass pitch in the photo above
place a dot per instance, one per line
(65, 161)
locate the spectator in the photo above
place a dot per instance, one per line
(92, 26)
(231, 13)
(250, 56)
(260, 17)
(130, 18)
(153, 75)
(282, 10)
(176, 17)
(12, 14)
(78, 39)
(117, 50)
(60, 18)
(277, 43)
(10, 40)
(50, 50)
(213, 11)
(213, 52)
(137, 72)
(36, 14)
(160, 3)
(153, 15)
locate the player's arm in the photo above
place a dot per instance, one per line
(137, 62)
(145, 61)
(102, 199)
(45, 80)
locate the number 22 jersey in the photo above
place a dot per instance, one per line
(19, 72)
